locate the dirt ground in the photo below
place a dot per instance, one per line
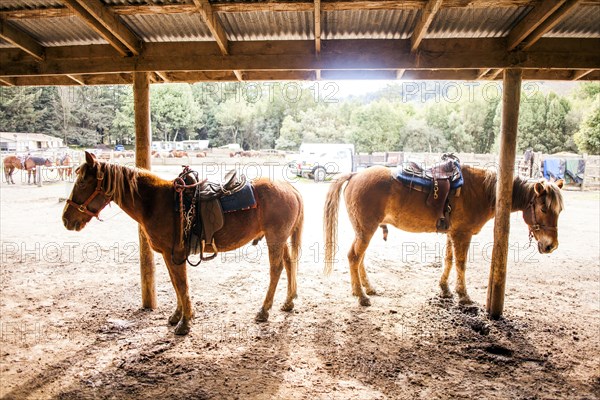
(71, 326)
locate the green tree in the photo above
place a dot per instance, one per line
(588, 136)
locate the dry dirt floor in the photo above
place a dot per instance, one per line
(71, 326)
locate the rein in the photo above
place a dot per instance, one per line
(531, 221)
(83, 208)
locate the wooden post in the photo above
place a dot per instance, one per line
(143, 138)
(511, 96)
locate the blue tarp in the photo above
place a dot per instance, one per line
(553, 168)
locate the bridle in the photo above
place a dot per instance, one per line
(532, 223)
(83, 208)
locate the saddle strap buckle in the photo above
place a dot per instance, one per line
(435, 189)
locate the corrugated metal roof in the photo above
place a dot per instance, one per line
(29, 4)
(62, 31)
(475, 22)
(371, 24)
(583, 22)
(168, 27)
(268, 26)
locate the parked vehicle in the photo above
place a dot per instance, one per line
(319, 160)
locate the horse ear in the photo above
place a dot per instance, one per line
(560, 183)
(90, 158)
(539, 188)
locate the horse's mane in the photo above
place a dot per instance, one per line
(522, 192)
(117, 179)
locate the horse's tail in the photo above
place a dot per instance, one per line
(296, 241)
(330, 218)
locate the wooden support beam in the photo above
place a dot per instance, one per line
(143, 140)
(511, 95)
(427, 15)
(483, 72)
(270, 6)
(531, 21)
(400, 73)
(102, 20)
(494, 74)
(22, 40)
(441, 54)
(162, 75)
(7, 81)
(77, 79)
(205, 9)
(550, 22)
(577, 75)
(317, 18)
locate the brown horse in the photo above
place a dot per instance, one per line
(375, 197)
(65, 161)
(31, 163)
(150, 201)
(11, 163)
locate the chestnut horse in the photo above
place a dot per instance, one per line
(65, 161)
(375, 197)
(13, 162)
(150, 201)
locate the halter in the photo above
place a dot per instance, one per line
(83, 208)
(531, 221)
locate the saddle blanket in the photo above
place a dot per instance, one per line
(242, 200)
(412, 180)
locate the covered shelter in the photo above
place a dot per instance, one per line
(93, 42)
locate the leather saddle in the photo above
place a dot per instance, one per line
(202, 212)
(441, 180)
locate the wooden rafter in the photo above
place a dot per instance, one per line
(22, 40)
(102, 20)
(495, 72)
(7, 81)
(577, 75)
(205, 9)
(162, 75)
(279, 6)
(77, 79)
(531, 21)
(483, 72)
(427, 15)
(400, 73)
(550, 22)
(299, 55)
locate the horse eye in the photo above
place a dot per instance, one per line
(544, 209)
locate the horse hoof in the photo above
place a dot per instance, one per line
(465, 300)
(365, 301)
(262, 316)
(182, 328)
(445, 294)
(287, 306)
(371, 291)
(174, 318)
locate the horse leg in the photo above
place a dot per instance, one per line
(447, 267)
(176, 316)
(178, 274)
(364, 280)
(276, 251)
(291, 277)
(461, 248)
(355, 258)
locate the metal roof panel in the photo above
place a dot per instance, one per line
(369, 24)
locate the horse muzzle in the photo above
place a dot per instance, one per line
(547, 248)
(73, 225)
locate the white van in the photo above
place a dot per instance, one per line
(318, 160)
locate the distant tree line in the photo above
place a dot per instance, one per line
(437, 117)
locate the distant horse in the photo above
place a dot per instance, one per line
(31, 163)
(65, 161)
(12, 163)
(374, 197)
(150, 201)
